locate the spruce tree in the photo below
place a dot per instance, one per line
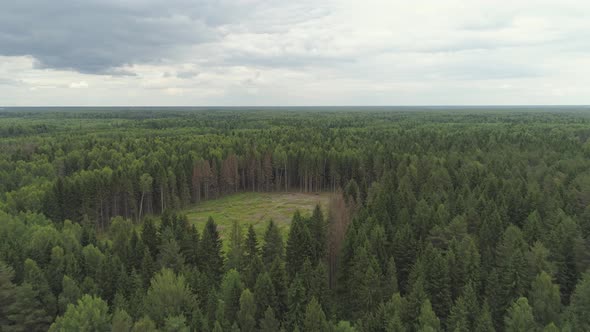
(545, 300)
(519, 317)
(247, 312)
(273, 244)
(427, 321)
(269, 323)
(315, 319)
(580, 304)
(299, 245)
(211, 260)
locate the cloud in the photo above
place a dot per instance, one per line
(97, 36)
(232, 52)
(78, 85)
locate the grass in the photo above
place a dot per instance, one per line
(255, 209)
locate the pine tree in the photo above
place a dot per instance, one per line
(145, 324)
(299, 245)
(427, 321)
(269, 323)
(484, 321)
(148, 267)
(89, 314)
(315, 319)
(175, 324)
(236, 250)
(437, 282)
(252, 271)
(512, 268)
(458, 318)
(56, 269)
(122, 322)
(278, 277)
(551, 328)
(251, 246)
(231, 290)
(319, 232)
(7, 292)
(247, 312)
(296, 303)
(168, 295)
(390, 285)
(273, 244)
(580, 304)
(519, 317)
(170, 257)
(26, 312)
(149, 236)
(34, 276)
(264, 294)
(69, 295)
(210, 252)
(545, 300)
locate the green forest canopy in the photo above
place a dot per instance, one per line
(440, 220)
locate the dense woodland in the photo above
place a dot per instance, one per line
(440, 220)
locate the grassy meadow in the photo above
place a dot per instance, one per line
(257, 209)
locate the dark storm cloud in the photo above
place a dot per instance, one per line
(94, 36)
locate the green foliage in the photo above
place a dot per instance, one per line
(168, 295)
(519, 317)
(247, 312)
(272, 248)
(545, 300)
(299, 245)
(465, 211)
(581, 303)
(211, 261)
(315, 319)
(89, 314)
(427, 321)
(69, 295)
(269, 322)
(122, 322)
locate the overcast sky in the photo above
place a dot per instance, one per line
(285, 52)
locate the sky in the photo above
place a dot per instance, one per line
(294, 53)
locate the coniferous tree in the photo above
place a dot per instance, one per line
(264, 294)
(231, 290)
(299, 245)
(519, 316)
(247, 312)
(236, 251)
(545, 300)
(26, 313)
(149, 236)
(315, 319)
(273, 244)
(211, 260)
(168, 295)
(69, 295)
(89, 314)
(121, 322)
(319, 231)
(296, 303)
(278, 277)
(34, 276)
(427, 321)
(484, 321)
(580, 305)
(269, 323)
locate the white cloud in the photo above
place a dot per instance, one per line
(78, 85)
(271, 52)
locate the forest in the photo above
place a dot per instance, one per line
(437, 220)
